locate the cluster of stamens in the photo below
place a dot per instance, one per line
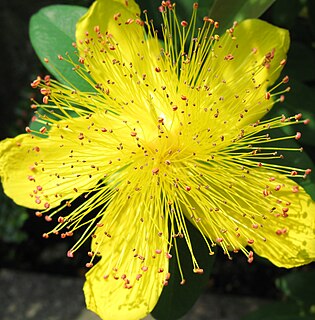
(172, 138)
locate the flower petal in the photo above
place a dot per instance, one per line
(262, 209)
(257, 38)
(33, 174)
(242, 65)
(128, 280)
(40, 173)
(115, 20)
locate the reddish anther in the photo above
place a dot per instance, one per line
(306, 121)
(298, 136)
(308, 171)
(184, 23)
(198, 271)
(285, 79)
(61, 220)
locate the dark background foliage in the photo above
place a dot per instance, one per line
(21, 244)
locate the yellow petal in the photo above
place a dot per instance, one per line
(261, 209)
(238, 72)
(128, 280)
(121, 38)
(40, 173)
(263, 38)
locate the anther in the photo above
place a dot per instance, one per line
(250, 257)
(198, 271)
(298, 136)
(42, 129)
(308, 171)
(298, 116)
(295, 189)
(155, 171)
(160, 120)
(81, 136)
(45, 236)
(184, 23)
(45, 99)
(285, 79)
(89, 265)
(168, 256)
(306, 121)
(61, 220)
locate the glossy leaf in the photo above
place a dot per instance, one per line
(52, 32)
(226, 12)
(177, 299)
(285, 13)
(301, 62)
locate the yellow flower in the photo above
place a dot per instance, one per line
(171, 132)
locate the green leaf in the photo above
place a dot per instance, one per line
(284, 13)
(177, 299)
(52, 32)
(276, 311)
(299, 286)
(301, 62)
(226, 12)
